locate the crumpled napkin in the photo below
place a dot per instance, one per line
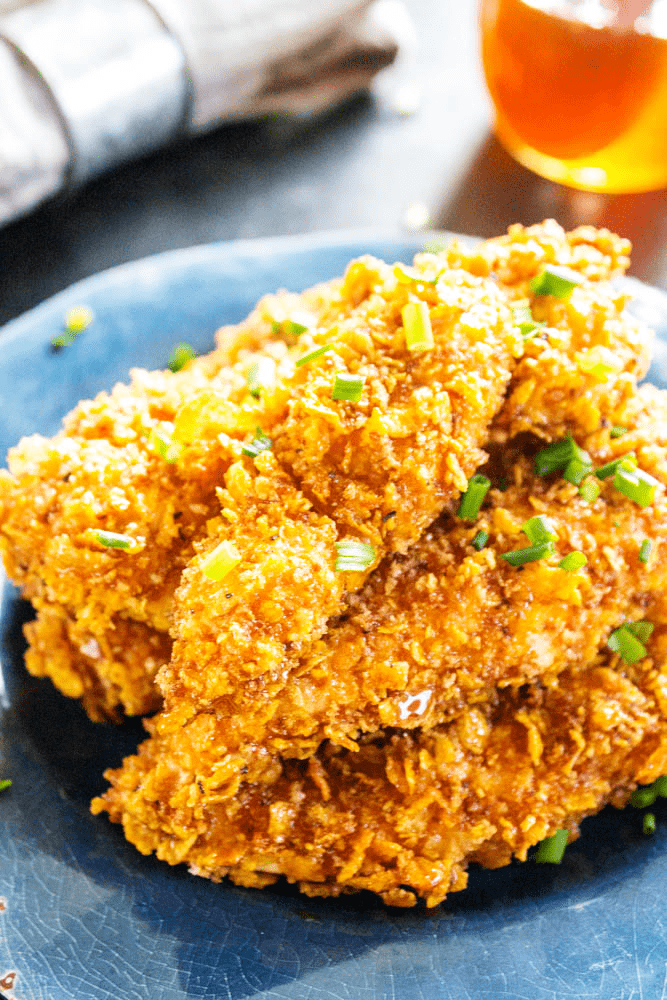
(85, 84)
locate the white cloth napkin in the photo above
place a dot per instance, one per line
(85, 84)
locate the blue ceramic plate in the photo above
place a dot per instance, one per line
(86, 917)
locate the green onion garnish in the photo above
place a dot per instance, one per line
(348, 387)
(648, 823)
(576, 471)
(523, 318)
(77, 319)
(636, 485)
(645, 550)
(114, 540)
(572, 562)
(480, 540)
(165, 445)
(557, 456)
(5, 783)
(289, 327)
(259, 443)
(220, 561)
(605, 471)
(641, 630)
(539, 529)
(408, 275)
(628, 646)
(353, 556)
(618, 431)
(552, 849)
(260, 376)
(556, 281)
(316, 353)
(531, 554)
(589, 490)
(596, 367)
(642, 797)
(472, 499)
(646, 796)
(417, 326)
(180, 356)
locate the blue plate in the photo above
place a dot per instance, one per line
(87, 918)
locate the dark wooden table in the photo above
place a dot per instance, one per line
(364, 164)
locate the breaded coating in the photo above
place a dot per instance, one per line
(389, 660)
(379, 470)
(404, 814)
(581, 365)
(443, 635)
(114, 667)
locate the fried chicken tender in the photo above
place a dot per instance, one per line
(404, 814)
(380, 469)
(422, 419)
(582, 365)
(389, 660)
(443, 637)
(116, 666)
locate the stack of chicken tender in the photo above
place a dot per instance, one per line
(382, 725)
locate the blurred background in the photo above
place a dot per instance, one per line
(384, 125)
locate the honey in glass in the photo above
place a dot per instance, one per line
(580, 88)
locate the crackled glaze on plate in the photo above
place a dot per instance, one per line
(87, 918)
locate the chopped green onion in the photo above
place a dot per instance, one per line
(289, 327)
(114, 540)
(348, 387)
(636, 485)
(316, 353)
(648, 824)
(531, 554)
(556, 281)
(5, 783)
(523, 318)
(576, 471)
(589, 490)
(165, 445)
(539, 529)
(552, 849)
(480, 540)
(623, 642)
(628, 461)
(417, 326)
(642, 797)
(645, 550)
(408, 275)
(353, 556)
(260, 376)
(641, 630)
(660, 785)
(259, 443)
(63, 339)
(572, 562)
(77, 319)
(472, 499)
(618, 431)
(180, 356)
(557, 456)
(594, 366)
(220, 561)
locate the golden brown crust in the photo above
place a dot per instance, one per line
(405, 813)
(116, 666)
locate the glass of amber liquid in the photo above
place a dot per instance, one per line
(580, 88)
